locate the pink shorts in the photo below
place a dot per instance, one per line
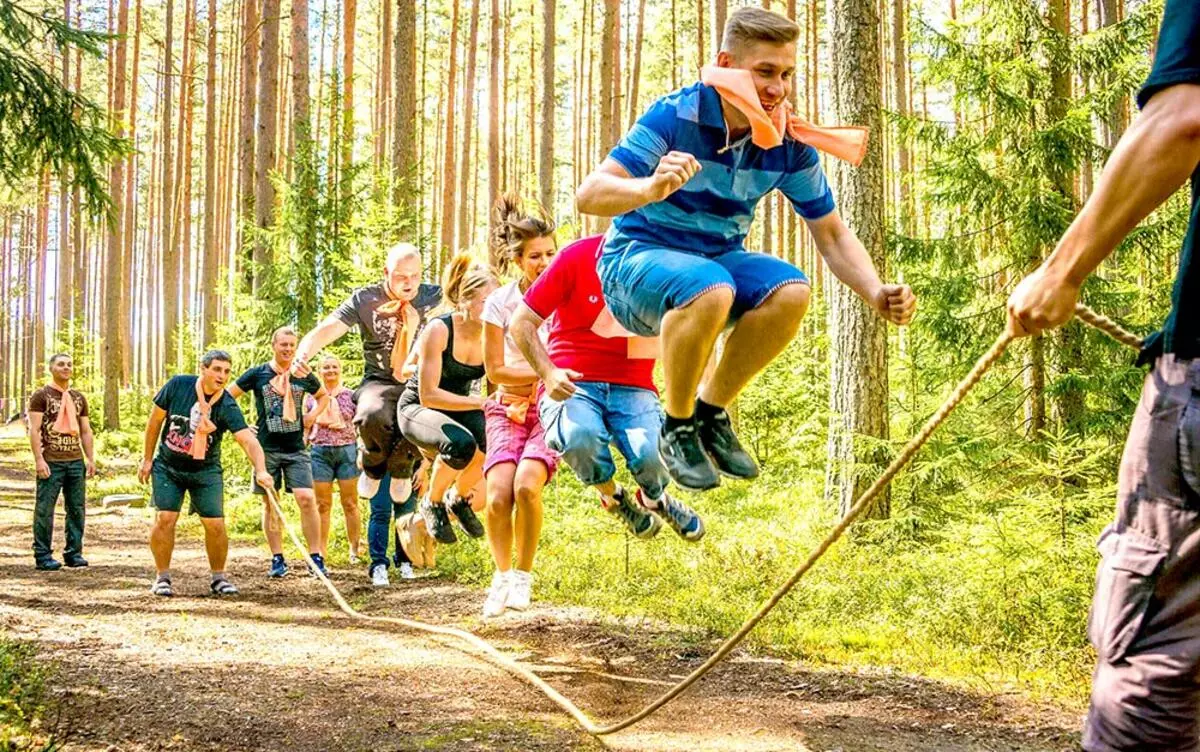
(512, 442)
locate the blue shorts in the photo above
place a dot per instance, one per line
(330, 463)
(642, 281)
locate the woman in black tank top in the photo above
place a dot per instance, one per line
(437, 411)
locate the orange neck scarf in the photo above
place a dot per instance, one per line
(282, 384)
(736, 86)
(67, 422)
(407, 321)
(205, 426)
(331, 416)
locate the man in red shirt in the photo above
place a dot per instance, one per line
(598, 389)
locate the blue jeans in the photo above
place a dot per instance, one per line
(379, 526)
(582, 427)
(70, 478)
(642, 282)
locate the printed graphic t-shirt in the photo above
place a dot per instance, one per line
(57, 447)
(378, 331)
(276, 434)
(178, 399)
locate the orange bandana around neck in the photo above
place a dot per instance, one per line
(67, 422)
(205, 426)
(736, 86)
(407, 321)
(282, 384)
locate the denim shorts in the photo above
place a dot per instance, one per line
(206, 488)
(643, 281)
(291, 470)
(330, 463)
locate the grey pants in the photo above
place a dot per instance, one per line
(1145, 618)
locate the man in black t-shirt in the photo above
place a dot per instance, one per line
(389, 315)
(279, 390)
(190, 417)
(1145, 617)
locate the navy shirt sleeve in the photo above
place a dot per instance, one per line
(163, 398)
(647, 141)
(347, 312)
(309, 383)
(1177, 56)
(248, 381)
(230, 415)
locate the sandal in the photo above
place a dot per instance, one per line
(162, 587)
(223, 586)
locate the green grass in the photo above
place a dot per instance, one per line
(23, 699)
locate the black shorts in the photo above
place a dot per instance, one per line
(206, 488)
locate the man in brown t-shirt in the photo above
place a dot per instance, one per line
(60, 436)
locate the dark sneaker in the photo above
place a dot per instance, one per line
(721, 443)
(682, 518)
(74, 561)
(642, 524)
(685, 459)
(279, 567)
(48, 565)
(466, 517)
(437, 521)
(319, 561)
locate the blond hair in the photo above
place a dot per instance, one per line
(512, 228)
(283, 330)
(463, 278)
(748, 24)
(400, 252)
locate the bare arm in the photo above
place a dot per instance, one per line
(610, 190)
(249, 444)
(330, 330)
(153, 427)
(524, 326)
(431, 344)
(1151, 161)
(235, 391)
(493, 360)
(87, 441)
(35, 443)
(850, 262)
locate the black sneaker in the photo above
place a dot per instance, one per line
(466, 517)
(48, 565)
(437, 521)
(682, 518)
(75, 561)
(642, 524)
(721, 443)
(685, 459)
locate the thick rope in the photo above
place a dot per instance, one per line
(861, 505)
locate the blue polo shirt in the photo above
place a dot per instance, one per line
(712, 212)
(1177, 61)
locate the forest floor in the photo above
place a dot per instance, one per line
(279, 668)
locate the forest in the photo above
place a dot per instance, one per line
(230, 166)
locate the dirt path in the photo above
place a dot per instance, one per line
(279, 668)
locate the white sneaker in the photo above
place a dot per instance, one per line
(379, 576)
(497, 595)
(400, 489)
(367, 486)
(520, 590)
(406, 571)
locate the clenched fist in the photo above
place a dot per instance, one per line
(674, 169)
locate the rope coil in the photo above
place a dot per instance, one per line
(489, 653)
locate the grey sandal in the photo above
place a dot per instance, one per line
(163, 588)
(223, 586)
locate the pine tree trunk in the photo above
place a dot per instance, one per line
(349, 22)
(209, 276)
(858, 385)
(246, 132)
(900, 79)
(720, 12)
(404, 141)
(549, 90)
(448, 181)
(701, 31)
(610, 44)
(131, 199)
(1118, 117)
(465, 195)
(268, 101)
(494, 177)
(114, 273)
(383, 105)
(63, 309)
(183, 214)
(170, 252)
(636, 74)
(42, 239)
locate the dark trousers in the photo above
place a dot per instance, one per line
(70, 479)
(384, 449)
(379, 526)
(1145, 618)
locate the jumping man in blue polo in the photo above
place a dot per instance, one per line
(682, 186)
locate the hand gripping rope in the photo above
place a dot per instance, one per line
(489, 653)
